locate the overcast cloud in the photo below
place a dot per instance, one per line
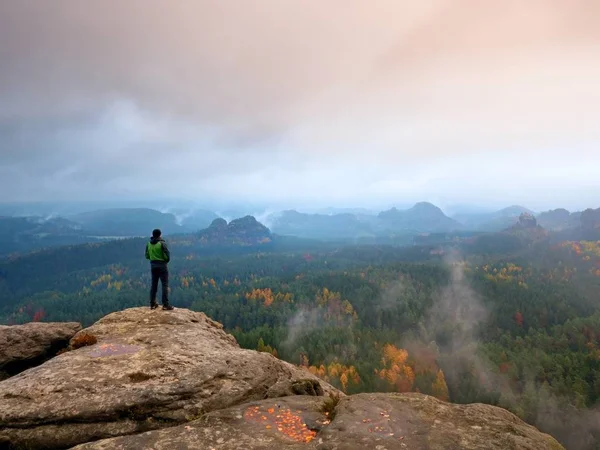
(337, 102)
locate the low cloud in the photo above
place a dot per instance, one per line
(296, 101)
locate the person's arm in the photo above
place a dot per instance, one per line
(147, 252)
(166, 251)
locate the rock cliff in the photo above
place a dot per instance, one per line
(29, 345)
(176, 380)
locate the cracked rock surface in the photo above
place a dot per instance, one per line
(361, 422)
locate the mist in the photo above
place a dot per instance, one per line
(451, 326)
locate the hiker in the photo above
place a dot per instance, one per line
(158, 254)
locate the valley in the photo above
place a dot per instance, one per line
(506, 318)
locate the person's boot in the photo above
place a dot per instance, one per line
(168, 307)
(153, 305)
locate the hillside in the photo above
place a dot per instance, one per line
(356, 225)
(176, 380)
(559, 219)
(126, 222)
(590, 224)
(18, 234)
(322, 226)
(493, 221)
(422, 217)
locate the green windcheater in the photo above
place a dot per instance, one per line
(157, 251)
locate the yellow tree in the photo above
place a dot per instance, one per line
(336, 372)
(439, 388)
(265, 295)
(395, 368)
(266, 348)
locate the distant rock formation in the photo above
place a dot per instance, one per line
(29, 345)
(168, 380)
(526, 221)
(218, 224)
(246, 231)
(527, 229)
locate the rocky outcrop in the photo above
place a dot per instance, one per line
(527, 230)
(148, 370)
(170, 380)
(246, 231)
(526, 221)
(29, 345)
(365, 421)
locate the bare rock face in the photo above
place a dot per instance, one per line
(527, 220)
(148, 370)
(361, 422)
(29, 345)
(175, 380)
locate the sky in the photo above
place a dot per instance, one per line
(302, 102)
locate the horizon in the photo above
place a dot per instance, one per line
(298, 104)
(183, 208)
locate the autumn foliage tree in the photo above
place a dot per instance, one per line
(400, 372)
(334, 307)
(439, 388)
(519, 319)
(39, 315)
(395, 368)
(336, 373)
(267, 297)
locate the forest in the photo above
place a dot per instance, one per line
(511, 325)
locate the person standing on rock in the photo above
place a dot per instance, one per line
(158, 254)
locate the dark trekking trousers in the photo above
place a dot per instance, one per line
(160, 272)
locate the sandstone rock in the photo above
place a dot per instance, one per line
(365, 421)
(246, 231)
(527, 220)
(149, 370)
(29, 345)
(175, 380)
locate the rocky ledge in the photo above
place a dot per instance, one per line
(176, 380)
(29, 345)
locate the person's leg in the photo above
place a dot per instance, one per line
(154, 287)
(164, 278)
